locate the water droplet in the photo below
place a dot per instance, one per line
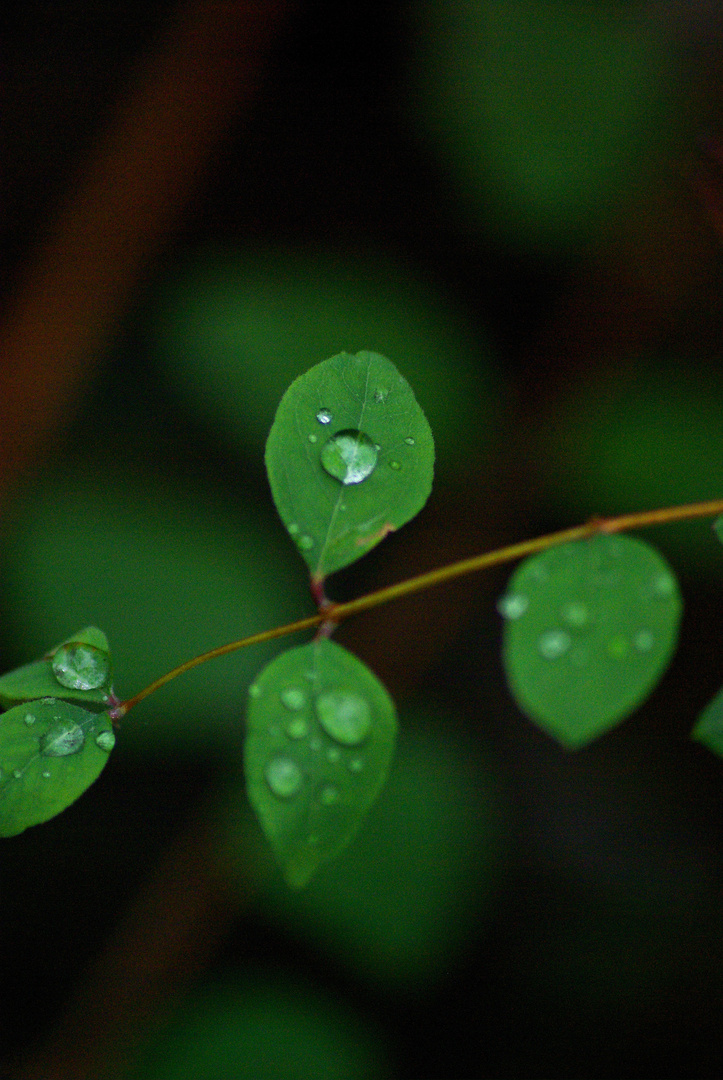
(409, 440)
(356, 764)
(618, 647)
(105, 740)
(63, 738)
(554, 643)
(664, 586)
(380, 395)
(46, 775)
(575, 614)
(513, 605)
(328, 795)
(333, 754)
(305, 543)
(345, 716)
(312, 438)
(17, 773)
(254, 690)
(293, 529)
(644, 640)
(395, 465)
(349, 456)
(29, 719)
(283, 777)
(297, 728)
(324, 416)
(293, 698)
(81, 667)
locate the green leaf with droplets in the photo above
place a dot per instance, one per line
(78, 669)
(350, 458)
(590, 628)
(321, 731)
(50, 752)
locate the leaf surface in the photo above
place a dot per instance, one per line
(350, 458)
(321, 732)
(590, 628)
(50, 752)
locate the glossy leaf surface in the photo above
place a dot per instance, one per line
(350, 458)
(50, 752)
(590, 629)
(78, 669)
(320, 740)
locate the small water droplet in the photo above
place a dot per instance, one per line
(554, 643)
(293, 528)
(380, 395)
(80, 667)
(29, 719)
(297, 728)
(324, 416)
(356, 764)
(328, 795)
(513, 605)
(333, 754)
(312, 438)
(46, 775)
(63, 738)
(409, 440)
(345, 716)
(305, 543)
(293, 698)
(254, 690)
(618, 647)
(575, 614)
(395, 465)
(105, 740)
(664, 586)
(17, 773)
(349, 456)
(644, 640)
(283, 777)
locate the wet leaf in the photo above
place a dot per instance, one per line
(350, 458)
(50, 752)
(321, 734)
(590, 629)
(78, 669)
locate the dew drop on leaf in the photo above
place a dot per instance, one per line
(293, 698)
(29, 719)
(350, 456)
(575, 614)
(344, 716)
(644, 640)
(409, 441)
(62, 739)
(329, 795)
(80, 667)
(395, 465)
(283, 776)
(513, 605)
(297, 728)
(324, 416)
(105, 740)
(554, 643)
(305, 543)
(312, 438)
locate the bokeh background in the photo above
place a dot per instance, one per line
(520, 202)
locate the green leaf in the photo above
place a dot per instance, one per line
(321, 734)
(50, 752)
(709, 729)
(590, 629)
(78, 669)
(350, 458)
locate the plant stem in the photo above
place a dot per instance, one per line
(336, 613)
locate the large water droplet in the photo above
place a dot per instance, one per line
(105, 740)
(293, 698)
(575, 614)
(349, 456)
(80, 667)
(63, 738)
(283, 777)
(513, 605)
(554, 643)
(345, 716)
(324, 416)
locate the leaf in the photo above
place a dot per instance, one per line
(321, 734)
(350, 458)
(78, 669)
(709, 728)
(590, 628)
(50, 752)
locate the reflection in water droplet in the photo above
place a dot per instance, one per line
(324, 416)
(29, 719)
(254, 690)
(305, 543)
(283, 777)
(312, 438)
(329, 795)
(409, 441)
(345, 716)
(349, 456)
(644, 640)
(63, 738)
(554, 643)
(293, 698)
(297, 728)
(80, 667)
(618, 647)
(395, 465)
(513, 605)
(575, 614)
(105, 740)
